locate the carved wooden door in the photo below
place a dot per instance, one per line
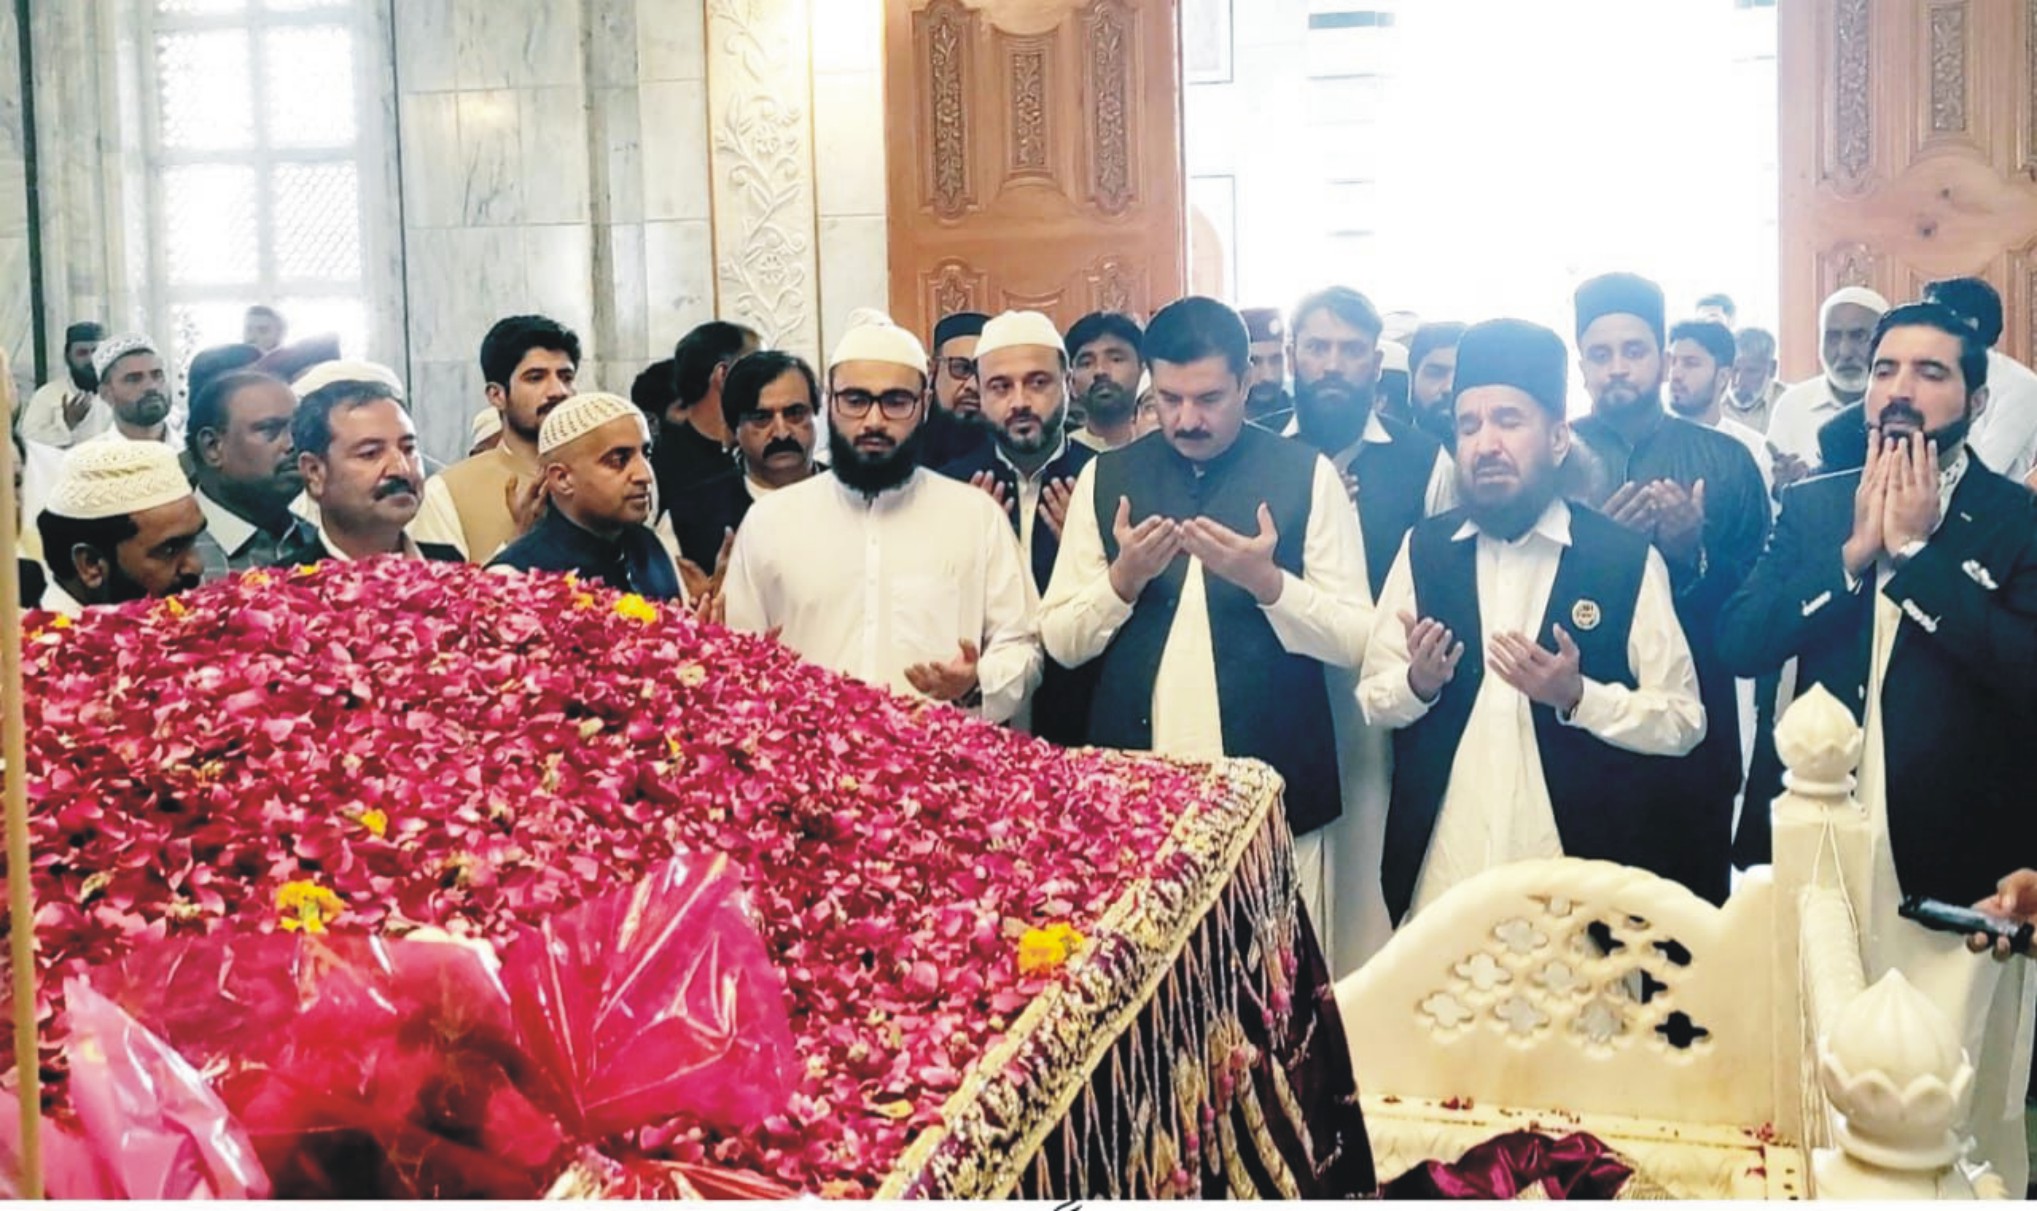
(1908, 153)
(1035, 157)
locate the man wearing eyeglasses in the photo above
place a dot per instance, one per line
(955, 428)
(883, 570)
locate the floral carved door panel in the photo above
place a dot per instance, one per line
(1035, 156)
(1908, 153)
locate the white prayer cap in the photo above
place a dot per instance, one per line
(112, 350)
(867, 315)
(880, 340)
(1859, 296)
(583, 414)
(115, 478)
(486, 424)
(1393, 356)
(1018, 328)
(325, 374)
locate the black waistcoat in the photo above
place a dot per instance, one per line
(1393, 493)
(1272, 704)
(1608, 802)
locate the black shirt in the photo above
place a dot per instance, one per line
(682, 457)
(635, 562)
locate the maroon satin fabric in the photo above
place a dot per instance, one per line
(1576, 1166)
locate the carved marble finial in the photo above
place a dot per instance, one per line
(1894, 1070)
(1820, 744)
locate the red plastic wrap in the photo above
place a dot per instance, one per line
(147, 1126)
(360, 1067)
(364, 1067)
(641, 1007)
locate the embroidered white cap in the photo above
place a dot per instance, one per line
(580, 415)
(115, 478)
(1014, 329)
(880, 340)
(115, 348)
(1393, 356)
(1859, 296)
(486, 424)
(325, 374)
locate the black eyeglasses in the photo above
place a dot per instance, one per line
(961, 367)
(896, 405)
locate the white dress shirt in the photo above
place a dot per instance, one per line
(1325, 614)
(1496, 808)
(406, 547)
(57, 600)
(43, 419)
(2005, 436)
(1799, 414)
(1989, 1003)
(871, 587)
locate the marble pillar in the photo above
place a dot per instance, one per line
(849, 161)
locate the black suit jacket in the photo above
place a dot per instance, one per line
(704, 513)
(1960, 693)
(1061, 704)
(1842, 441)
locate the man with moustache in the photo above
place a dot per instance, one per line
(480, 504)
(1396, 474)
(1846, 332)
(119, 525)
(357, 452)
(1106, 363)
(67, 410)
(1753, 389)
(1029, 469)
(1697, 495)
(1213, 576)
(1432, 354)
(1552, 738)
(595, 450)
(1700, 367)
(239, 441)
(771, 402)
(1267, 403)
(954, 425)
(1908, 589)
(135, 388)
(881, 569)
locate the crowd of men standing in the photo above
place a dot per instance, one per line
(1465, 627)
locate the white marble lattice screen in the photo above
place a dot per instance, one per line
(267, 139)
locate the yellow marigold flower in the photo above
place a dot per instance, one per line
(1043, 951)
(630, 605)
(376, 821)
(307, 906)
(307, 569)
(61, 622)
(257, 578)
(583, 601)
(177, 609)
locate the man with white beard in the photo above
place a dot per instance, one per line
(1846, 340)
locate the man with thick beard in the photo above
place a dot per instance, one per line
(1396, 475)
(883, 570)
(1553, 737)
(67, 410)
(1696, 494)
(1267, 403)
(1908, 590)
(954, 424)
(1106, 360)
(1029, 469)
(134, 385)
